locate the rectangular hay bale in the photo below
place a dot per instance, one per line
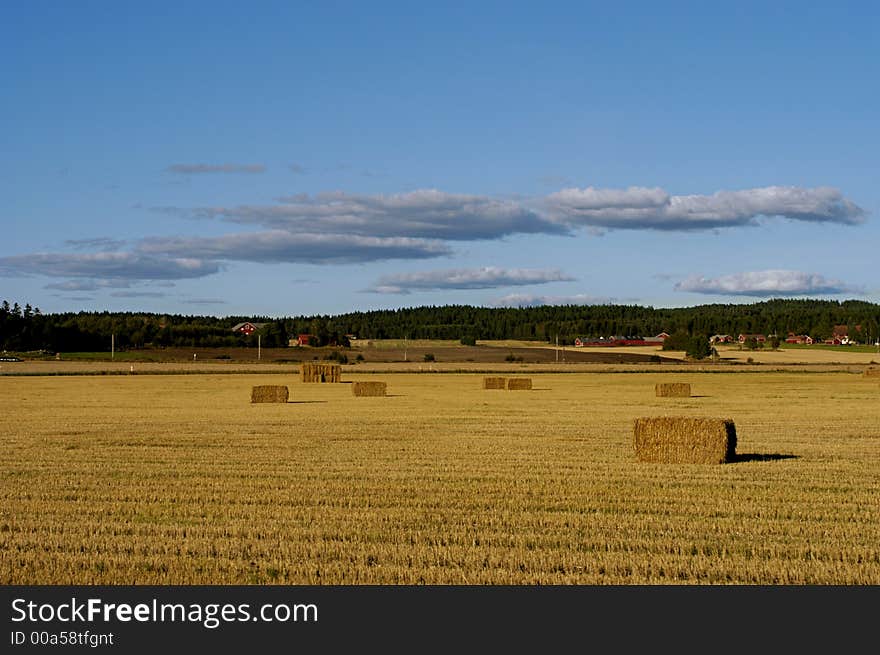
(368, 388)
(269, 393)
(494, 383)
(673, 390)
(318, 372)
(872, 372)
(684, 440)
(519, 383)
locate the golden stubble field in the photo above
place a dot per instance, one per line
(181, 480)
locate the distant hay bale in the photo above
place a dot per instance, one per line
(318, 372)
(368, 388)
(872, 372)
(514, 384)
(673, 390)
(269, 393)
(494, 383)
(684, 440)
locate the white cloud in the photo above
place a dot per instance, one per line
(425, 214)
(108, 266)
(639, 208)
(489, 277)
(766, 284)
(280, 246)
(433, 214)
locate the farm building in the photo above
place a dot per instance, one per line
(248, 328)
(760, 338)
(720, 338)
(799, 338)
(303, 339)
(840, 335)
(618, 340)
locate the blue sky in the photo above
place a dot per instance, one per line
(281, 159)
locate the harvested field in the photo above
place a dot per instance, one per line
(370, 388)
(269, 393)
(672, 390)
(494, 383)
(172, 479)
(684, 440)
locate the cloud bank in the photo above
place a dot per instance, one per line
(108, 266)
(434, 214)
(766, 284)
(640, 208)
(422, 214)
(280, 246)
(345, 228)
(488, 277)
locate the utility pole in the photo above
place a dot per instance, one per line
(259, 354)
(404, 348)
(112, 345)
(557, 348)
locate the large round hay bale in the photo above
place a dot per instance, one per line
(494, 383)
(684, 440)
(371, 388)
(672, 390)
(514, 384)
(269, 393)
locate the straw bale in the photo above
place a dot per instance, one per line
(684, 440)
(319, 372)
(269, 393)
(673, 390)
(519, 383)
(368, 388)
(872, 372)
(494, 383)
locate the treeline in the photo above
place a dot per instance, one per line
(816, 318)
(26, 328)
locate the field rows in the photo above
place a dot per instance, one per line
(179, 479)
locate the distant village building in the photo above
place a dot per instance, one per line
(799, 339)
(304, 339)
(760, 338)
(840, 335)
(720, 338)
(618, 340)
